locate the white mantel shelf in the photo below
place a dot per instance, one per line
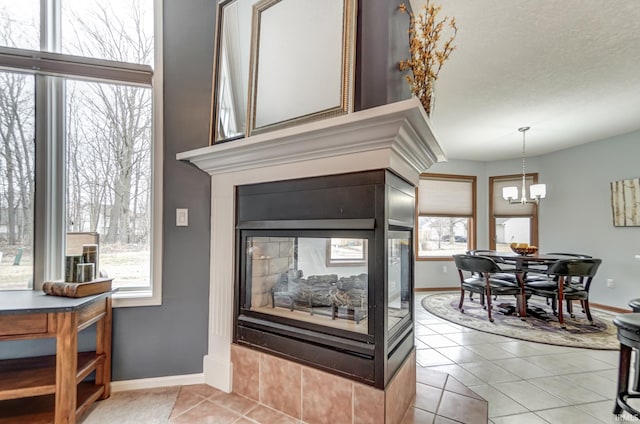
(402, 127)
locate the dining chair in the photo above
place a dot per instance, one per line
(507, 273)
(560, 285)
(542, 275)
(482, 280)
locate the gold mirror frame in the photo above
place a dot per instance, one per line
(272, 58)
(231, 69)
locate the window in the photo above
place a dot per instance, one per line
(17, 126)
(82, 100)
(446, 215)
(345, 251)
(511, 223)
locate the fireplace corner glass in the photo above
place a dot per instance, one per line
(399, 258)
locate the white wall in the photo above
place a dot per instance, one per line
(575, 216)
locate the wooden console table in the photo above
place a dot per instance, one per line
(50, 389)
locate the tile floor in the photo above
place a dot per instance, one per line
(523, 382)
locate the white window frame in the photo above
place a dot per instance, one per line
(49, 215)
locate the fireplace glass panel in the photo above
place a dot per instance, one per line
(398, 268)
(311, 279)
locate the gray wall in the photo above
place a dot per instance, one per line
(382, 43)
(171, 339)
(575, 216)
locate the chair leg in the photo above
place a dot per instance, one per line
(570, 308)
(489, 302)
(587, 311)
(462, 299)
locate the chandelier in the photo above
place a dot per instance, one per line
(536, 191)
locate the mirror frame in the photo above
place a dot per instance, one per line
(347, 67)
(215, 109)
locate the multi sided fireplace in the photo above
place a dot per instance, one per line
(308, 330)
(325, 272)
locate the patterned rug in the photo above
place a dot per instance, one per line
(542, 328)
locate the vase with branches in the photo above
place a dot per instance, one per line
(428, 52)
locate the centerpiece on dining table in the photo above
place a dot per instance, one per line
(523, 249)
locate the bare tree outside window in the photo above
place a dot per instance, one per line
(16, 159)
(109, 137)
(442, 236)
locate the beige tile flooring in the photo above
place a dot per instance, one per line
(523, 382)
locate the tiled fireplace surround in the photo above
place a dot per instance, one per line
(397, 137)
(315, 396)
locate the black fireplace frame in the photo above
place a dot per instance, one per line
(370, 205)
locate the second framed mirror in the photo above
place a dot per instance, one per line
(302, 59)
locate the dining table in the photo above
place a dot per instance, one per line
(536, 262)
(523, 265)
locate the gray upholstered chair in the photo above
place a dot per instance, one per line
(568, 280)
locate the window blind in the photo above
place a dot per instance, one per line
(445, 197)
(56, 64)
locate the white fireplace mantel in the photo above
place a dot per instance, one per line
(401, 127)
(396, 136)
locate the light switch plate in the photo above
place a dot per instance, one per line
(182, 217)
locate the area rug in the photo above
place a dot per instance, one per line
(602, 334)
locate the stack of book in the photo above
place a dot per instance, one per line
(61, 288)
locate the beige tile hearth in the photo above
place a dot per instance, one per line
(326, 399)
(281, 385)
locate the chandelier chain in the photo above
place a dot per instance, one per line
(523, 198)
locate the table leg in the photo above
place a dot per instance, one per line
(623, 376)
(560, 301)
(103, 346)
(66, 367)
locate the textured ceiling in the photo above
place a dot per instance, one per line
(569, 69)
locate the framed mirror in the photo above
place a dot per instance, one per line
(231, 70)
(302, 59)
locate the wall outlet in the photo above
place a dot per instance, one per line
(444, 269)
(610, 283)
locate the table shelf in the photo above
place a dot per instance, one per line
(40, 409)
(36, 376)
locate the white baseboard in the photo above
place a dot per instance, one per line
(149, 383)
(218, 373)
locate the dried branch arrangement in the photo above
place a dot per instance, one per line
(427, 52)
